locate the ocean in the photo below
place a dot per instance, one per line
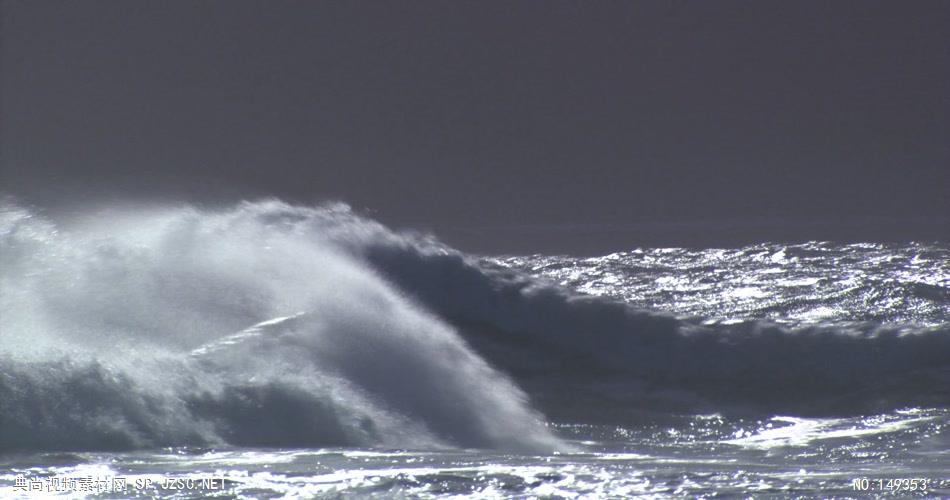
(267, 350)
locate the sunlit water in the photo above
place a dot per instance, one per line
(680, 456)
(232, 406)
(790, 284)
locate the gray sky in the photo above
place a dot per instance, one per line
(502, 126)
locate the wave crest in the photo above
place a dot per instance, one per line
(116, 294)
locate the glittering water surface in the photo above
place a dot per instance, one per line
(791, 284)
(656, 457)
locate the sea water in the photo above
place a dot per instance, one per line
(275, 351)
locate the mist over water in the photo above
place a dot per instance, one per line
(226, 334)
(108, 326)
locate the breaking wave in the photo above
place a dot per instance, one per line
(118, 332)
(268, 324)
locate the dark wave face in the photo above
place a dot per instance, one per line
(273, 325)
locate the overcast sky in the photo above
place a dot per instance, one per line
(499, 125)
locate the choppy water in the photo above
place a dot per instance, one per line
(682, 456)
(291, 352)
(789, 284)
